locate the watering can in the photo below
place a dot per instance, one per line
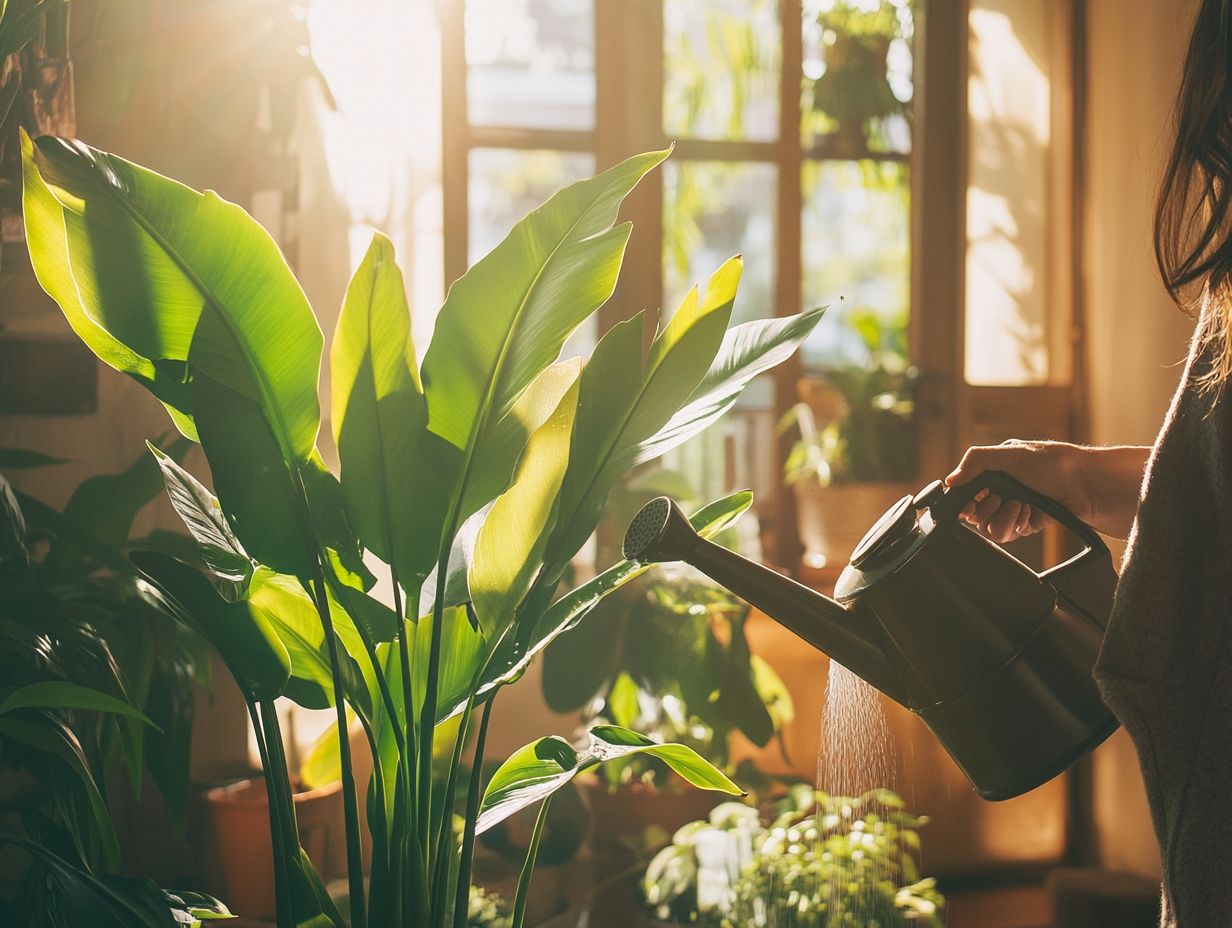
(993, 656)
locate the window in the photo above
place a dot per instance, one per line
(814, 195)
(797, 145)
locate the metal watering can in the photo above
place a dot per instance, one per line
(994, 657)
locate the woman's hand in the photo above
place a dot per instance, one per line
(1098, 485)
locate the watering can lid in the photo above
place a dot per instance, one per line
(895, 524)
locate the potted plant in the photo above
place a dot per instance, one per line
(471, 480)
(820, 861)
(854, 91)
(856, 447)
(667, 656)
(97, 682)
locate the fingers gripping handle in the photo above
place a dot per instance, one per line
(1087, 578)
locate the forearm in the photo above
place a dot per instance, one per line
(1111, 479)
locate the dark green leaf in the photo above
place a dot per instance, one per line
(57, 694)
(13, 550)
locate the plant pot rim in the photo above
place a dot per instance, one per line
(232, 793)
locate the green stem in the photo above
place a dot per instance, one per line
(528, 868)
(427, 721)
(461, 902)
(444, 840)
(282, 880)
(350, 806)
(409, 859)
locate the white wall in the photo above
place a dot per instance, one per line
(1136, 337)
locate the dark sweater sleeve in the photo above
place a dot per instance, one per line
(1165, 667)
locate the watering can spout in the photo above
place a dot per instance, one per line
(661, 532)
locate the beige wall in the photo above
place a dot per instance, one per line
(1136, 337)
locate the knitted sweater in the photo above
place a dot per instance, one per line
(1166, 664)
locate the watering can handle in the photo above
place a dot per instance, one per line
(1087, 577)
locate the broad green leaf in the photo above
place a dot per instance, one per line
(510, 543)
(614, 416)
(179, 277)
(748, 349)
(175, 275)
(541, 768)
(47, 222)
(22, 458)
(379, 412)
(530, 774)
(242, 634)
(507, 318)
(217, 545)
(514, 656)
(53, 737)
(105, 505)
(609, 742)
(57, 694)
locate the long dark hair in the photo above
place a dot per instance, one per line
(1193, 215)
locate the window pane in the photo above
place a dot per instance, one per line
(531, 63)
(1009, 101)
(505, 185)
(858, 76)
(711, 211)
(856, 236)
(721, 69)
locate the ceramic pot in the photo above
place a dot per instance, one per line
(238, 850)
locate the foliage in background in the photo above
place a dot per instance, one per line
(475, 478)
(872, 438)
(668, 656)
(97, 680)
(822, 862)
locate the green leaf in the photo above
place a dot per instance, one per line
(625, 400)
(261, 493)
(609, 742)
(747, 350)
(539, 769)
(22, 458)
(622, 701)
(188, 287)
(510, 544)
(52, 736)
(175, 275)
(13, 549)
(54, 694)
(243, 634)
(507, 318)
(379, 411)
(217, 545)
(106, 505)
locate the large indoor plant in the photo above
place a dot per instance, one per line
(475, 477)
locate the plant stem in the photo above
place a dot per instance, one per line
(427, 721)
(444, 840)
(406, 780)
(350, 806)
(528, 868)
(462, 896)
(282, 882)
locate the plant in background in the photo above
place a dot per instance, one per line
(475, 478)
(854, 91)
(872, 436)
(668, 656)
(823, 862)
(97, 681)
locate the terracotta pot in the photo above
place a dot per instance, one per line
(833, 519)
(238, 850)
